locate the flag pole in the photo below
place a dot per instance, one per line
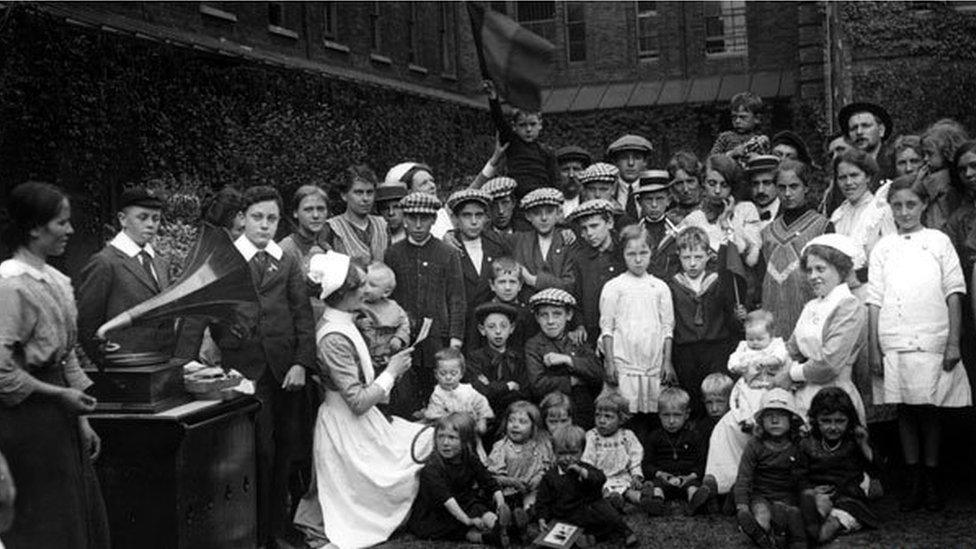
(476, 16)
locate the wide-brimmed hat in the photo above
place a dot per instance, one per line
(329, 270)
(597, 206)
(546, 196)
(462, 197)
(652, 180)
(482, 311)
(572, 152)
(630, 142)
(777, 398)
(420, 203)
(599, 171)
(845, 114)
(792, 139)
(552, 296)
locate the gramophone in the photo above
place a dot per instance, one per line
(216, 287)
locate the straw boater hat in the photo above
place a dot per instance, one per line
(499, 187)
(552, 296)
(572, 152)
(482, 311)
(420, 203)
(328, 270)
(599, 171)
(652, 180)
(462, 197)
(596, 206)
(629, 142)
(762, 163)
(546, 196)
(845, 114)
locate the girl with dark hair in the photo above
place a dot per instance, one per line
(225, 209)
(357, 232)
(686, 184)
(838, 458)
(457, 492)
(43, 432)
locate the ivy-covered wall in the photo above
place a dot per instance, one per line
(918, 59)
(93, 111)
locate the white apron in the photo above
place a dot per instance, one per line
(809, 339)
(366, 477)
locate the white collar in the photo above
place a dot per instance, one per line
(771, 207)
(248, 249)
(124, 243)
(839, 292)
(16, 267)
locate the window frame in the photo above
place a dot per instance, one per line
(447, 33)
(729, 12)
(654, 15)
(580, 24)
(545, 28)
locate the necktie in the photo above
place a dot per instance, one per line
(146, 260)
(765, 216)
(259, 265)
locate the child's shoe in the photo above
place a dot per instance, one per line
(811, 516)
(933, 497)
(617, 501)
(700, 498)
(504, 521)
(916, 497)
(520, 524)
(748, 526)
(829, 530)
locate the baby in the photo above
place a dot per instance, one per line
(450, 395)
(384, 324)
(757, 360)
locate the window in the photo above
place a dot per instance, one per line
(648, 40)
(725, 27)
(448, 38)
(538, 17)
(329, 27)
(575, 31)
(374, 27)
(412, 35)
(499, 6)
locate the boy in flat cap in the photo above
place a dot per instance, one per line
(430, 284)
(600, 182)
(387, 204)
(653, 194)
(554, 362)
(503, 219)
(544, 253)
(598, 259)
(572, 160)
(631, 154)
(126, 272)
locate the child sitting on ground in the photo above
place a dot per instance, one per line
(615, 451)
(384, 323)
(674, 458)
(497, 370)
(519, 460)
(457, 492)
(771, 474)
(557, 411)
(757, 359)
(451, 396)
(838, 458)
(554, 362)
(572, 491)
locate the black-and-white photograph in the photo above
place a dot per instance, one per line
(461, 274)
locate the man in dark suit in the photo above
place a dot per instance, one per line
(275, 358)
(126, 272)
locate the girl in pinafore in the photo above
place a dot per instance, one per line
(915, 300)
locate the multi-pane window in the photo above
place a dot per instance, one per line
(725, 27)
(329, 27)
(448, 38)
(648, 37)
(575, 31)
(538, 17)
(375, 32)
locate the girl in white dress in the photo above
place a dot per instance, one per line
(915, 299)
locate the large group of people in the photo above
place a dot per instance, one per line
(601, 338)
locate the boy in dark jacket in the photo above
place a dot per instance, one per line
(497, 370)
(674, 459)
(598, 259)
(572, 491)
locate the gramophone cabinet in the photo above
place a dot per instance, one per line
(181, 478)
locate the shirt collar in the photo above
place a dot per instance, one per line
(124, 243)
(248, 249)
(772, 207)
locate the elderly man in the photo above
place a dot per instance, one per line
(572, 160)
(631, 154)
(867, 127)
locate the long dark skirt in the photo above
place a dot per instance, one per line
(59, 504)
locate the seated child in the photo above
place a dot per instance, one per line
(384, 324)
(506, 284)
(771, 473)
(572, 491)
(457, 492)
(557, 411)
(519, 460)
(497, 370)
(615, 451)
(716, 389)
(674, 458)
(451, 396)
(556, 363)
(838, 458)
(757, 360)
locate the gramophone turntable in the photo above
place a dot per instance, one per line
(216, 287)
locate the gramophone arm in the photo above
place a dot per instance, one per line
(121, 321)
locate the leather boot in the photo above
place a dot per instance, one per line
(915, 498)
(932, 495)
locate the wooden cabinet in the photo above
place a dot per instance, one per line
(181, 478)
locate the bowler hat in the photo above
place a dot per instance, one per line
(844, 117)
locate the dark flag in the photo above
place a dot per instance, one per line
(515, 59)
(730, 260)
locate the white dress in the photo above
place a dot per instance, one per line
(829, 334)
(911, 276)
(366, 477)
(638, 313)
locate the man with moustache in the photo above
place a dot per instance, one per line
(761, 171)
(631, 154)
(868, 126)
(572, 160)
